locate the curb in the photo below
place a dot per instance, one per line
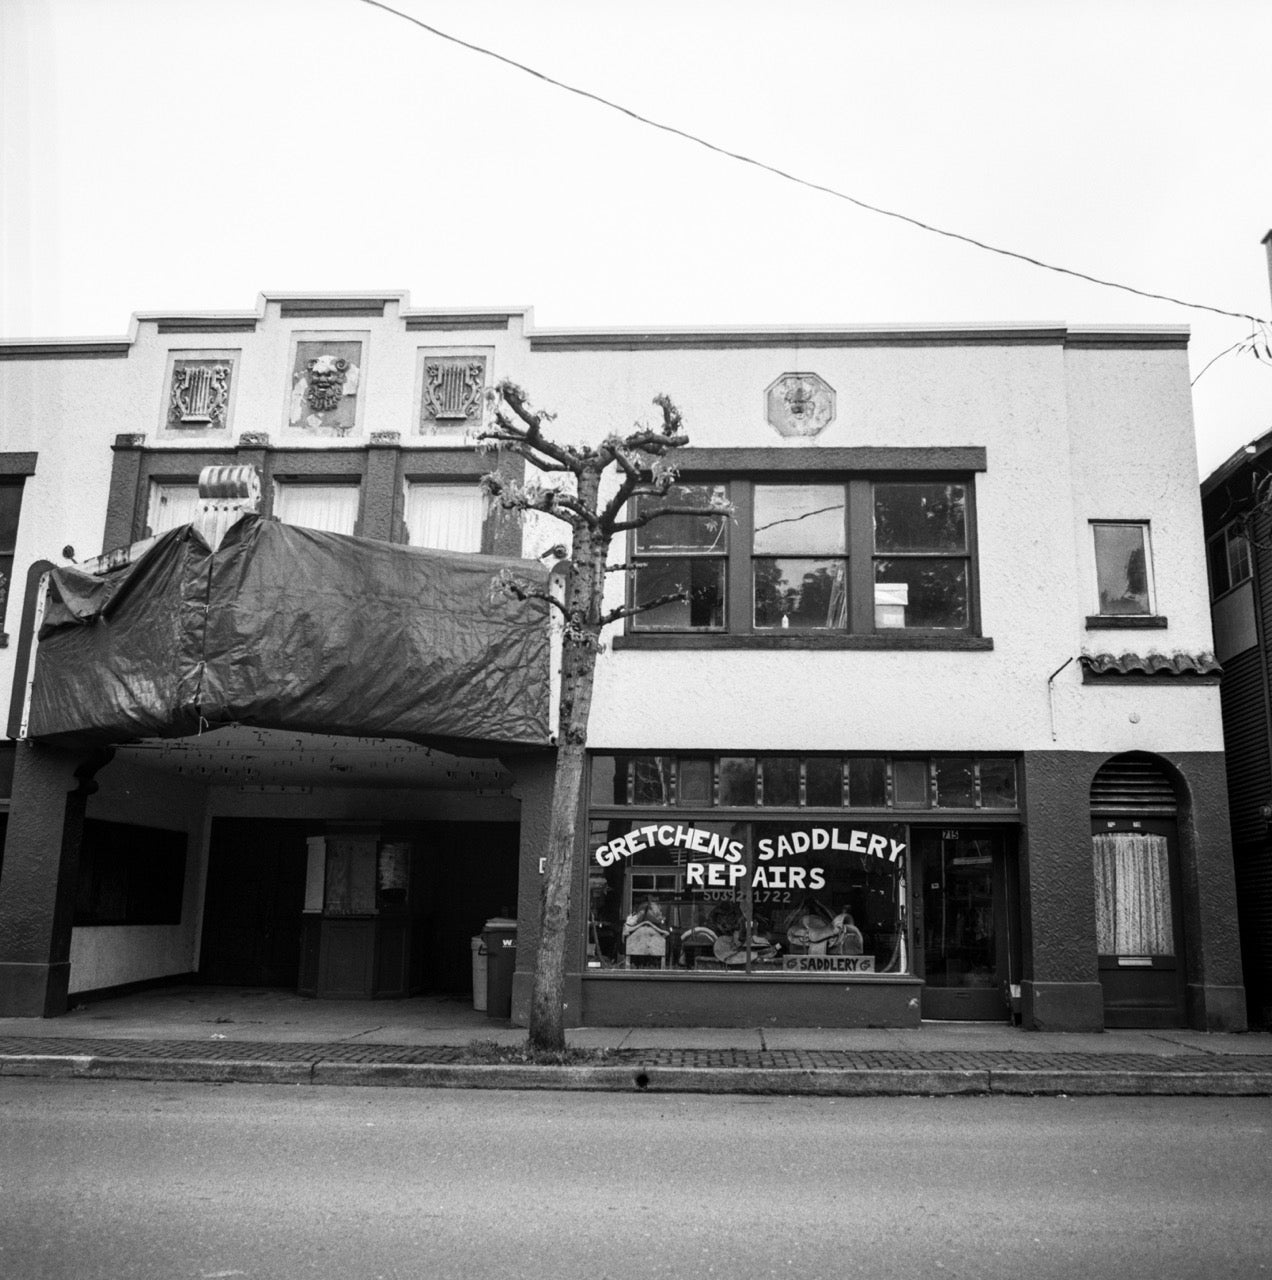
(808, 1082)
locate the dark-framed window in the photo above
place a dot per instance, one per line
(1229, 559)
(1123, 568)
(811, 555)
(684, 553)
(130, 874)
(150, 484)
(819, 780)
(10, 513)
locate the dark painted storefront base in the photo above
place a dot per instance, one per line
(727, 1000)
(1062, 1006)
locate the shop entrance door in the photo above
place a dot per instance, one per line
(967, 933)
(1137, 921)
(252, 911)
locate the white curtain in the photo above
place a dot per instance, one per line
(330, 507)
(171, 505)
(1132, 895)
(447, 517)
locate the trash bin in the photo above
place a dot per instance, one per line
(479, 974)
(500, 940)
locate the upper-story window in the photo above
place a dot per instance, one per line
(855, 556)
(329, 507)
(1229, 559)
(172, 504)
(922, 561)
(685, 552)
(1123, 568)
(447, 517)
(10, 510)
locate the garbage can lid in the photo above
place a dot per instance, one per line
(500, 922)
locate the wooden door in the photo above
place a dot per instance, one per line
(252, 911)
(1138, 921)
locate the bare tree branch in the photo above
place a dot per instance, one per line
(631, 611)
(647, 517)
(519, 589)
(530, 436)
(512, 495)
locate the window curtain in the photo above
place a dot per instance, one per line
(171, 505)
(332, 508)
(447, 517)
(1132, 895)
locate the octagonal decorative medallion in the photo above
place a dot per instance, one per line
(800, 404)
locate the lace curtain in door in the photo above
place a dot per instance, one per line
(1132, 895)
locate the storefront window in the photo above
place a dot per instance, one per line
(909, 783)
(804, 782)
(868, 782)
(997, 784)
(955, 782)
(747, 897)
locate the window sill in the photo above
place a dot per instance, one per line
(686, 640)
(1126, 622)
(756, 975)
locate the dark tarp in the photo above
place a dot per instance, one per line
(290, 628)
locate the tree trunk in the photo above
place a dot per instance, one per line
(578, 669)
(547, 1003)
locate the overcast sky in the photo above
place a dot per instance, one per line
(188, 154)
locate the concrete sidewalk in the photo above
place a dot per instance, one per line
(256, 1036)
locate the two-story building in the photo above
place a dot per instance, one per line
(934, 732)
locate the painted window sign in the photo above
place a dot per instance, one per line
(794, 898)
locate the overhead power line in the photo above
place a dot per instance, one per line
(805, 182)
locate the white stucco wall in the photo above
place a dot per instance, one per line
(1072, 433)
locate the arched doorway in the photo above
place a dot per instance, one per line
(1138, 920)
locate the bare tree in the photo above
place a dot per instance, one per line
(569, 488)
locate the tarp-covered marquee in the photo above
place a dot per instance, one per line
(291, 628)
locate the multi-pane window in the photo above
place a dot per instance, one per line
(1229, 559)
(446, 517)
(804, 782)
(1123, 568)
(922, 556)
(781, 864)
(329, 507)
(855, 556)
(684, 553)
(799, 565)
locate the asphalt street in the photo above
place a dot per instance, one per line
(142, 1179)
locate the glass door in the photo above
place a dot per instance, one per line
(966, 931)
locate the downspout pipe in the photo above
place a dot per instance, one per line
(1051, 701)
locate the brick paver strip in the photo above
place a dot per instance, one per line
(743, 1059)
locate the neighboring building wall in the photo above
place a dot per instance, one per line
(1241, 610)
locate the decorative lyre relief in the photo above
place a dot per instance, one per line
(453, 389)
(200, 394)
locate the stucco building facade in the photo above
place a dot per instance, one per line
(935, 732)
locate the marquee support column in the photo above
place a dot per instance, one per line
(41, 866)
